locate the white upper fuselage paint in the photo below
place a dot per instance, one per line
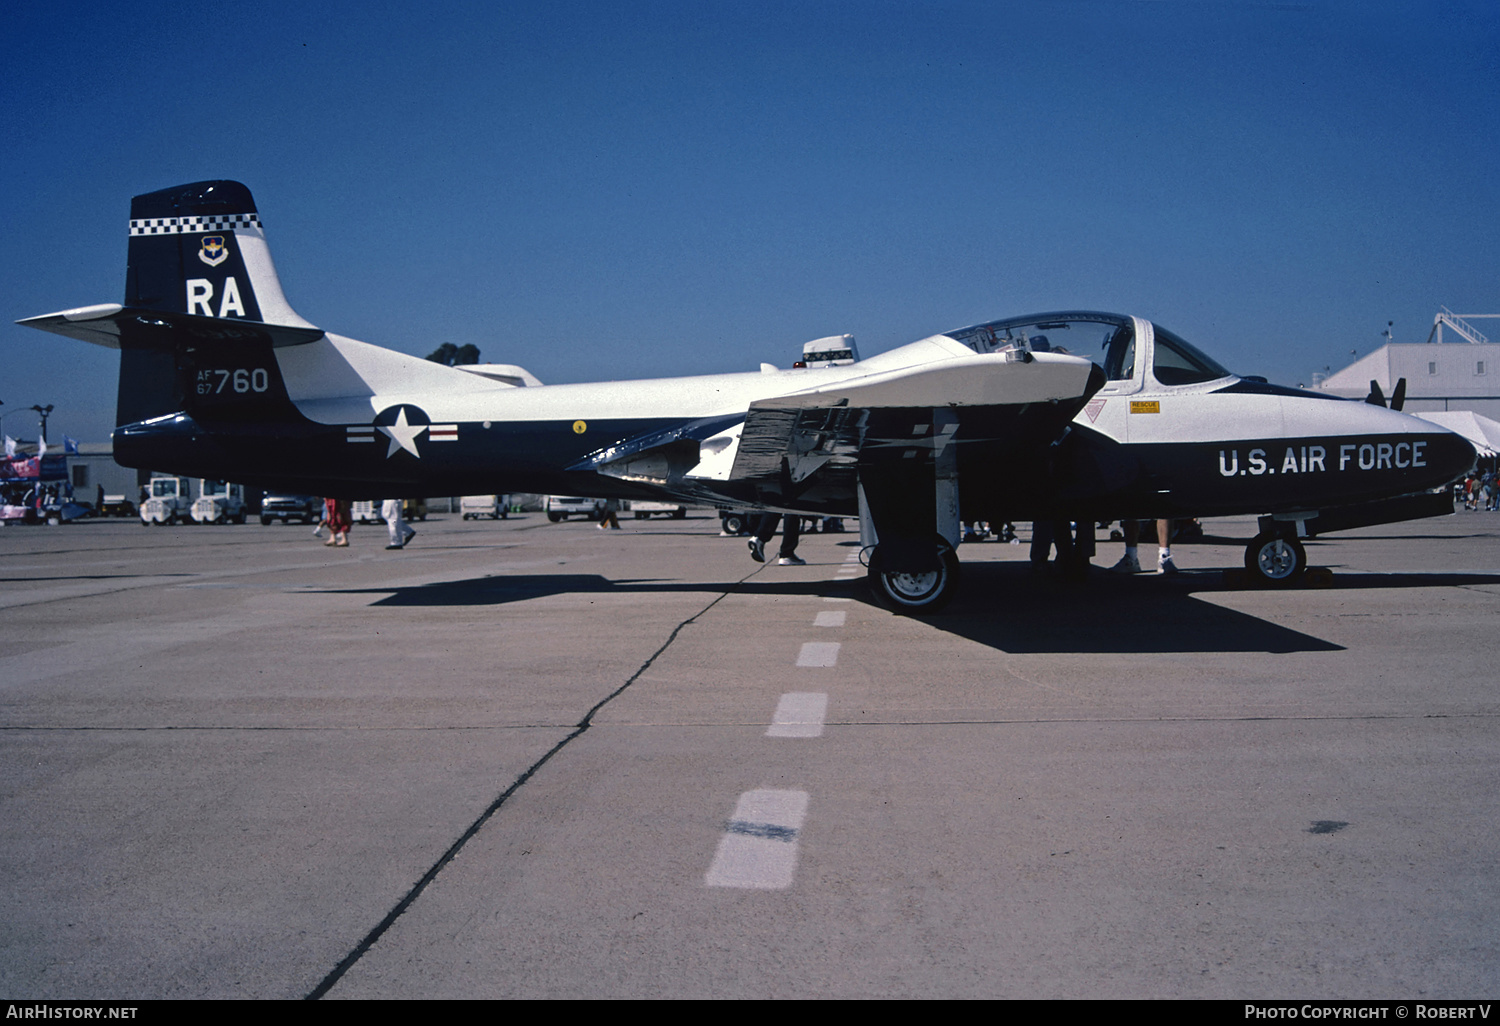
(1192, 413)
(1142, 410)
(337, 380)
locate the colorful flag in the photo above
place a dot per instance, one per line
(70, 446)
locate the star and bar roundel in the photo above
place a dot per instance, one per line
(404, 425)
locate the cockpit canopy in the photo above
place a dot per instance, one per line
(1108, 339)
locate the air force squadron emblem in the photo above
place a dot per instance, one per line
(212, 251)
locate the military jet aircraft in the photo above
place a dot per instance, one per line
(1008, 420)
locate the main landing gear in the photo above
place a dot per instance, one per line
(915, 592)
(1275, 559)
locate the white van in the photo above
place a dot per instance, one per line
(560, 507)
(496, 507)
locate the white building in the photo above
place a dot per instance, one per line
(94, 472)
(1440, 376)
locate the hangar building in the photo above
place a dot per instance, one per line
(1440, 376)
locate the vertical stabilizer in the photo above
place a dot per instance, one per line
(200, 249)
(194, 249)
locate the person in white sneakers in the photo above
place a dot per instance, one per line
(1130, 563)
(791, 533)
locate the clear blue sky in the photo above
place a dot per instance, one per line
(643, 188)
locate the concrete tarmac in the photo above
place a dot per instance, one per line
(519, 759)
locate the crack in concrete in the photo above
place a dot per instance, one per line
(448, 856)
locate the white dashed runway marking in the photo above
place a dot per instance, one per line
(819, 653)
(759, 846)
(799, 714)
(830, 618)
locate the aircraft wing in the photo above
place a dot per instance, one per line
(895, 409)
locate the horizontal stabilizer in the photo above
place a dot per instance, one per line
(123, 327)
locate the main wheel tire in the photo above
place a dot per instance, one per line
(916, 593)
(1275, 560)
(734, 523)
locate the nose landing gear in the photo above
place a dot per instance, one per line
(1275, 560)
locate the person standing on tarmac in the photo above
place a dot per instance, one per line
(339, 521)
(1130, 563)
(395, 522)
(791, 534)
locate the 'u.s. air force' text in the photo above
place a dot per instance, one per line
(1313, 459)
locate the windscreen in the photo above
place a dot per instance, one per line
(1082, 334)
(1178, 363)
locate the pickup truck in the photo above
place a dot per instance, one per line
(306, 509)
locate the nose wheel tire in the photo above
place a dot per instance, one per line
(1274, 560)
(915, 593)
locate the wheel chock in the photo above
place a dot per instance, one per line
(1317, 577)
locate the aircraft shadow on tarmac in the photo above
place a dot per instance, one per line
(1413, 579)
(499, 589)
(999, 605)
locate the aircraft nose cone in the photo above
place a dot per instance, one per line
(1449, 455)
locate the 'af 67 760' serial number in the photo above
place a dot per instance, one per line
(219, 380)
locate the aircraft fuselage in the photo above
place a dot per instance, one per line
(1007, 420)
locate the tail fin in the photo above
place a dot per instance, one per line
(200, 249)
(203, 309)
